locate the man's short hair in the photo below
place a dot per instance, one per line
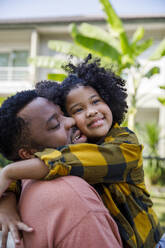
(14, 130)
(50, 90)
(15, 133)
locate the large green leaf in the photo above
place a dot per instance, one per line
(95, 46)
(112, 18)
(99, 34)
(154, 70)
(159, 52)
(138, 35)
(161, 100)
(56, 77)
(47, 62)
(162, 87)
(116, 26)
(140, 48)
(67, 48)
(126, 61)
(125, 46)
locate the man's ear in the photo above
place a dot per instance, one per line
(26, 153)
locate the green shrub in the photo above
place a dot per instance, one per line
(3, 161)
(154, 168)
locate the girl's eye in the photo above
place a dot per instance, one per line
(77, 110)
(96, 101)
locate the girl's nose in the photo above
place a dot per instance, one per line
(69, 122)
(91, 112)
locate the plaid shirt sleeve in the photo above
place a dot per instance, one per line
(15, 187)
(112, 161)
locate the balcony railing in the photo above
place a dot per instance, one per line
(14, 79)
(14, 74)
(158, 162)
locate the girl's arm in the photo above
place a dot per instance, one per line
(111, 162)
(26, 169)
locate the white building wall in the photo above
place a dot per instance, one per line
(14, 40)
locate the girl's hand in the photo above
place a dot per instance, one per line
(10, 220)
(5, 181)
(11, 223)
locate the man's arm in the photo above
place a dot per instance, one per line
(10, 220)
(26, 169)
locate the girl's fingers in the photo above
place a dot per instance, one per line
(24, 227)
(15, 231)
(4, 236)
(15, 234)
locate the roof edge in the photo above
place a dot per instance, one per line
(65, 19)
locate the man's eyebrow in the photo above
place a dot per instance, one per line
(51, 118)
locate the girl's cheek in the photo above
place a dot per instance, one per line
(78, 123)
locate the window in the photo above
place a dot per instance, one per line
(4, 58)
(20, 58)
(14, 59)
(14, 66)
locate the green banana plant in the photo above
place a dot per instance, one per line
(111, 45)
(151, 137)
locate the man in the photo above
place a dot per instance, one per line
(66, 212)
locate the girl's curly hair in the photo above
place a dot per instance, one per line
(110, 87)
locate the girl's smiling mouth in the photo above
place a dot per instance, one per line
(96, 122)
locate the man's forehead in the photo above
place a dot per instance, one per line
(35, 108)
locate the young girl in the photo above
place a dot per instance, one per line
(96, 98)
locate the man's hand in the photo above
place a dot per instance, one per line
(10, 220)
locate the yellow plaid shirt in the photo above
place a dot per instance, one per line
(115, 169)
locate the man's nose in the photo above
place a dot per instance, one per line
(69, 122)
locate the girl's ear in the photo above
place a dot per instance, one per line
(26, 154)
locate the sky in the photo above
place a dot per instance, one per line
(10, 9)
